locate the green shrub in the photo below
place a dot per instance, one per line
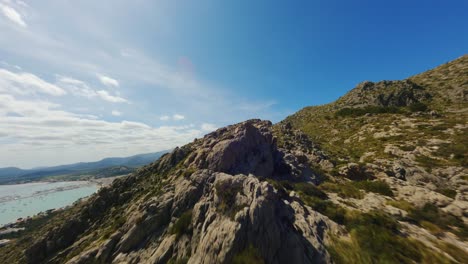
(344, 190)
(457, 253)
(401, 204)
(434, 229)
(447, 192)
(418, 107)
(188, 172)
(317, 199)
(379, 187)
(326, 207)
(358, 173)
(227, 194)
(375, 239)
(429, 162)
(407, 147)
(286, 185)
(310, 190)
(182, 225)
(354, 112)
(431, 213)
(250, 255)
(457, 150)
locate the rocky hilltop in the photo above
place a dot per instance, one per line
(379, 176)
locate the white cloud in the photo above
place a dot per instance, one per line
(76, 87)
(22, 3)
(104, 95)
(80, 88)
(69, 80)
(126, 52)
(132, 66)
(178, 117)
(108, 81)
(26, 83)
(116, 113)
(37, 128)
(12, 15)
(208, 127)
(156, 85)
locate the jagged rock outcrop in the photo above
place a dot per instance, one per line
(251, 148)
(211, 203)
(385, 93)
(248, 147)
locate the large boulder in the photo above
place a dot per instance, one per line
(247, 147)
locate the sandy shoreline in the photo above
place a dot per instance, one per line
(77, 184)
(71, 185)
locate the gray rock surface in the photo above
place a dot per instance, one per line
(384, 93)
(205, 203)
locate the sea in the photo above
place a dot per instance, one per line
(28, 199)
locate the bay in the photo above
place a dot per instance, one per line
(23, 200)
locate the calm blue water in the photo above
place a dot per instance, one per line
(22, 200)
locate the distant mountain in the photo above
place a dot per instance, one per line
(13, 174)
(11, 171)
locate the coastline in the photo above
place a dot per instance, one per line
(97, 183)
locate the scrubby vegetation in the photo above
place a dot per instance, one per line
(326, 207)
(348, 133)
(375, 238)
(227, 195)
(354, 112)
(447, 192)
(457, 151)
(379, 187)
(351, 189)
(346, 189)
(250, 255)
(401, 204)
(313, 197)
(430, 213)
(429, 162)
(309, 190)
(188, 172)
(418, 107)
(457, 253)
(182, 225)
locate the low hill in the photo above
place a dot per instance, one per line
(15, 175)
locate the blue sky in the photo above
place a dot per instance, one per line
(84, 80)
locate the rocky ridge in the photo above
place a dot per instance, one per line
(378, 176)
(212, 203)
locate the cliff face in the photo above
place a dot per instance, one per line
(378, 176)
(207, 202)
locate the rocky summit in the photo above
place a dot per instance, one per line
(379, 176)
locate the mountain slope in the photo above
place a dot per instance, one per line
(11, 174)
(379, 176)
(421, 120)
(190, 204)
